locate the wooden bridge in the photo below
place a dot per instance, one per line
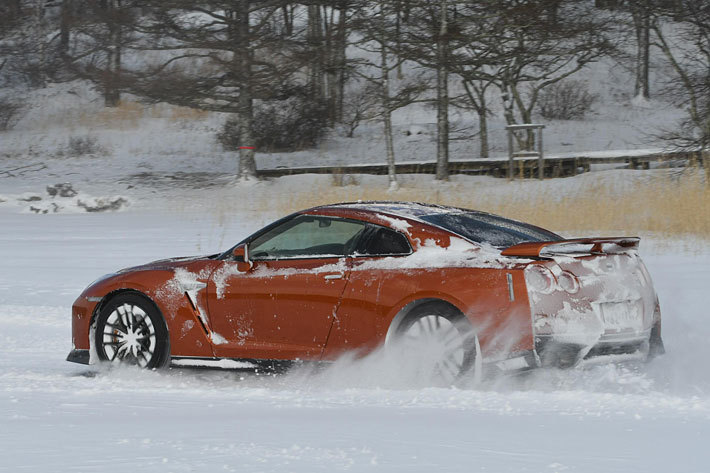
(523, 167)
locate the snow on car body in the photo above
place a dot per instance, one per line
(478, 288)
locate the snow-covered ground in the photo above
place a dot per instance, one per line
(57, 416)
(157, 139)
(171, 183)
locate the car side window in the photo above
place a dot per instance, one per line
(307, 236)
(381, 241)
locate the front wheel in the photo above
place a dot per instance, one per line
(437, 343)
(131, 330)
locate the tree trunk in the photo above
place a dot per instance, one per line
(287, 19)
(554, 10)
(39, 33)
(508, 97)
(528, 144)
(112, 94)
(478, 101)
(315, 44)
(387, 114)
(332, 46)
(64, 27)
(642, 23)
(247, 163)
(483, 131)
(391, 168)
(397, 34)
(442, 97)
(342, 45)
(607, 4)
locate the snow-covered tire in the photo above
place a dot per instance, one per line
(441, 326)
(131, 330)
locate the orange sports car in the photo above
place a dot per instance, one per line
(479, 291)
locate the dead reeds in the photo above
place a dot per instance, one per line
(664, 203)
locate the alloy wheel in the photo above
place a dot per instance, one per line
(129, 336)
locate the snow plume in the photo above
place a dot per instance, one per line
(395, 366)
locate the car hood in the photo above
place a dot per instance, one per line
(168, 264)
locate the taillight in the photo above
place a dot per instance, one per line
(568, 282)
(540, 279)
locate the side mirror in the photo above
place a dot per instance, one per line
(241, 256)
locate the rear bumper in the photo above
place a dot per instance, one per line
(553, 353)
(79, 356)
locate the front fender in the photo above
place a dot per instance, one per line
(188, 324)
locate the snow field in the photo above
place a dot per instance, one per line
(353, 416)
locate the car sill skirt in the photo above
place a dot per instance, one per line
(79, 356)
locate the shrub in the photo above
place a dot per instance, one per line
(82, 145)
(292, 124)
(568, 100)
(359, 104)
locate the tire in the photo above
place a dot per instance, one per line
(440, 340)
(131, 330)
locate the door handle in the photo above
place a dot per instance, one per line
(329, 277)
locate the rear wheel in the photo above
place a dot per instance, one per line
(437, 342)
(131, 330)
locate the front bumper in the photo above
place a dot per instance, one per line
(79, 356)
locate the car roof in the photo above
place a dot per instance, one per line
(420, 212)
(412, 210)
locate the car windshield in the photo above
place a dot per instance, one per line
(481, 227)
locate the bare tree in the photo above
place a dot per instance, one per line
(360, 104)
(688, 53)
(428, 37)
(476, 61)
(328, 24)
(476, 87)
(442, 93)
(92, 36)
(377, 30)
(537, 50)
(217, 55)
(25, 28)
(641, 12)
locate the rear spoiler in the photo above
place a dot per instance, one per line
(576, 247)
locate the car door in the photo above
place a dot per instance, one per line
(376, 283)
(283, 308)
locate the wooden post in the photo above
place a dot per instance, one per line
(529, 153)
(540, 158)
(706, 166)
(510, 155)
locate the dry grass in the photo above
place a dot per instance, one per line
(128, 115)
(185, 113)
(665, 205)
(125, 115)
